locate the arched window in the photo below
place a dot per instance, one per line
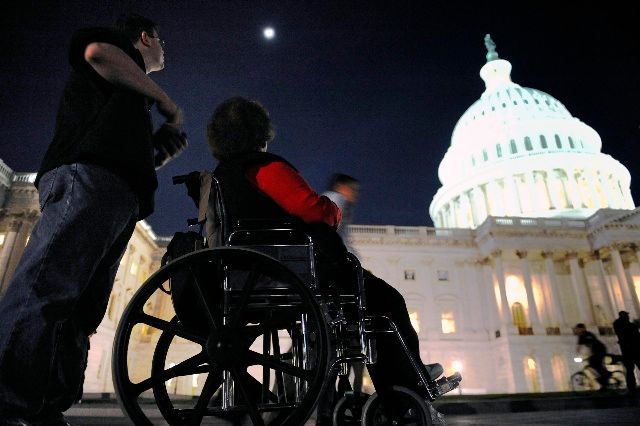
(531, 373)
(527, 143)
(499, 150)
(512, 147)
(485, 156)
(543, 142)
(473, 161)
(558, 141)
(571, 144)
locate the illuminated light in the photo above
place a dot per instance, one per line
(531, 364)
(457, 366)
(2, 237)
(448, 322)
(194, 380)
(515, 290)
(269, 33)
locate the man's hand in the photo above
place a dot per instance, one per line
(169, 142)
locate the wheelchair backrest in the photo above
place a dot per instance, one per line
(280, 239)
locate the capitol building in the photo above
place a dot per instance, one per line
(535, 231)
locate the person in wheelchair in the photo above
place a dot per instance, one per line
(261, 185)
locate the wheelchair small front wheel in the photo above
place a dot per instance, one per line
(348, 410)
(400, 406)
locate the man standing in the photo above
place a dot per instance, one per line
(598, 352)
(343, 191)
(629, 341)
(96, 180)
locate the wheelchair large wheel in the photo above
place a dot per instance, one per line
(401, 406)
(221, 354)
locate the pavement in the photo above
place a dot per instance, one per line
(562, 408)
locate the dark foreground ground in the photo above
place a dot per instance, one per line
(520, 409)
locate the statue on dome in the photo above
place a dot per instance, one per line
(492, 55)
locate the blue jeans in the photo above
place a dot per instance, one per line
(61, 287)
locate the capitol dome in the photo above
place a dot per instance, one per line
(518, 151)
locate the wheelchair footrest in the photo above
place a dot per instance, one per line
(445, 384)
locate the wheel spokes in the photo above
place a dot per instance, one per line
(212, 318)
(240, 380)
(167, 326)
(212, 383)
(255, 358)
(191, 365)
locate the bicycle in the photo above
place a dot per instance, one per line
(587, 378)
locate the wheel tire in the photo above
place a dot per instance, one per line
(348, 410)
(405, 407)
(255, 315)
(580, 382)
(617, 382)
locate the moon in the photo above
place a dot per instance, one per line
(269, 33)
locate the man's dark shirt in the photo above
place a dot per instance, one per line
(99, 123)
(591, 341)
(628, 336)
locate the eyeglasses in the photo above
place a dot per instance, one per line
(162, 42)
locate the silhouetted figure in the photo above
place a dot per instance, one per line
(629, 341)
(598, 352)
(97, 179)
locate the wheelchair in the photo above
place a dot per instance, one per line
(244, 333)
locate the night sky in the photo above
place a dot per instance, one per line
(371, 89)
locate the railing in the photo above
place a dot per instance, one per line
(410, 231)
(538, 222)
(24, 177)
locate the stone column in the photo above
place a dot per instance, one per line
(453, 214)
(534, 318)
(534, 198)
(493, 315)
(465, 206)
(497, 200)
(622, 280)
(499, 268)
(604, 288)
(575, 195)
(604, 183)
(513, 206)
(592, 187)
(553, 184)
(553, 283)
(583, 297)
(5, 254)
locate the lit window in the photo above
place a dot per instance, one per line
(448, 322)
(415, 321)
(409, 274)
(527, 143)
(133, 270)
(543, 142)
(443, 275)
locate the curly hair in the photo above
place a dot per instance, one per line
(237, 126)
